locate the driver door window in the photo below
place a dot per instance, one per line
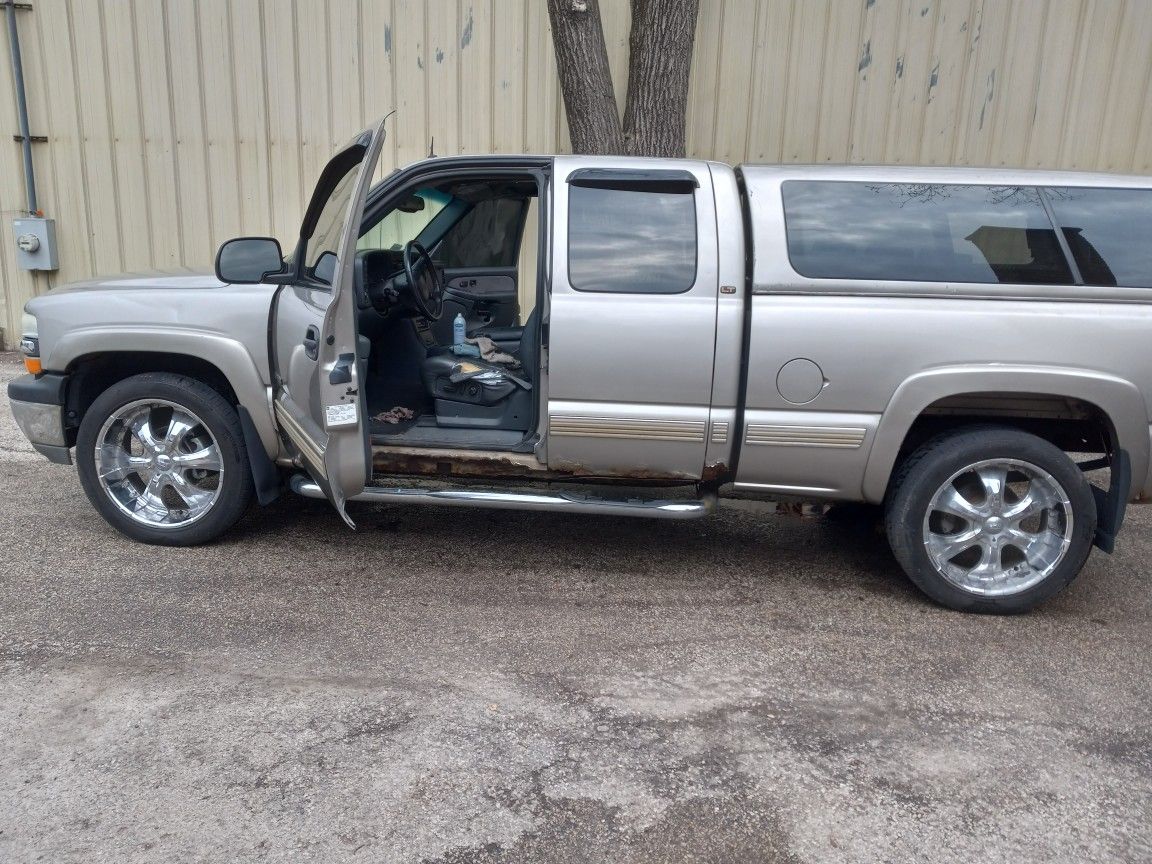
(322, 251)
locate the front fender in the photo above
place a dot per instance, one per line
(228, 355)
(1120, 400)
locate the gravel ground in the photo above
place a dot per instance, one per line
(457, 686)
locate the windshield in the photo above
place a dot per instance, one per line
(405, 221)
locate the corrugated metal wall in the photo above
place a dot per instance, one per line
(174, 125)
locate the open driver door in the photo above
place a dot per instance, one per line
(318, 371)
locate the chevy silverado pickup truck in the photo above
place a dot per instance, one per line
(960, 346)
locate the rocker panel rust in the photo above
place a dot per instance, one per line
(428, 462)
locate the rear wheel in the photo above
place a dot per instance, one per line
(162, 458)
(990, 520)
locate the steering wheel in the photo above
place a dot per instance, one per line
(424, 281)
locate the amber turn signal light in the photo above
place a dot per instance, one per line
(30, 348)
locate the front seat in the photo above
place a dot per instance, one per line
(472, 393)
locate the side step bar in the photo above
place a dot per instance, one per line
(562, 501)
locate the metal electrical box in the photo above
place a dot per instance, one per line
(35, 243)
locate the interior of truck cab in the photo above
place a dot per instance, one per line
(451, 249)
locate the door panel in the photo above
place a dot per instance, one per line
(487, 297)
(300, 314)
(630, 372)
(318, 369)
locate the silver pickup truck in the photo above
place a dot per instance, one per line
(959, 346)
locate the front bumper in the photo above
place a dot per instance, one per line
(38, 405)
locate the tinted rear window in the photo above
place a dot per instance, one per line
(921, 232)
(631, 241)
(1109, 232)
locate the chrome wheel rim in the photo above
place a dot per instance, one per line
(159, 464)
(998, 527)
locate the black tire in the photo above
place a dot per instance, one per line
(924, 472)
(221, 420)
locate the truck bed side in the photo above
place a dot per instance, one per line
(842, 377)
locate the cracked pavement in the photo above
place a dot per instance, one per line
(470, 686)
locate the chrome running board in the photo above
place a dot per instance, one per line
(558, 502)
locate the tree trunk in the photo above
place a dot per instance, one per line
(585, 79)
(659, 64)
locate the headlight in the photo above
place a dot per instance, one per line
(30, 344)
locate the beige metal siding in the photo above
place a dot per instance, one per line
(174, 125)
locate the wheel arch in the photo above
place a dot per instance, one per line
(222, 363)
(1117, 404)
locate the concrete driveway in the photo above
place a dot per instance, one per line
(458, 686)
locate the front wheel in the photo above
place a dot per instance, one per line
(162, 457)
(990, 520)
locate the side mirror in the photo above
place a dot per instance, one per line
(247, 260)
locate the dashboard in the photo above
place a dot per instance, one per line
(375, 273)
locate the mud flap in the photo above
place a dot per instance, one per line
(265, 476)
(1111, 505)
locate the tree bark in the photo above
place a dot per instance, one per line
(659, 65)
(585, 78)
